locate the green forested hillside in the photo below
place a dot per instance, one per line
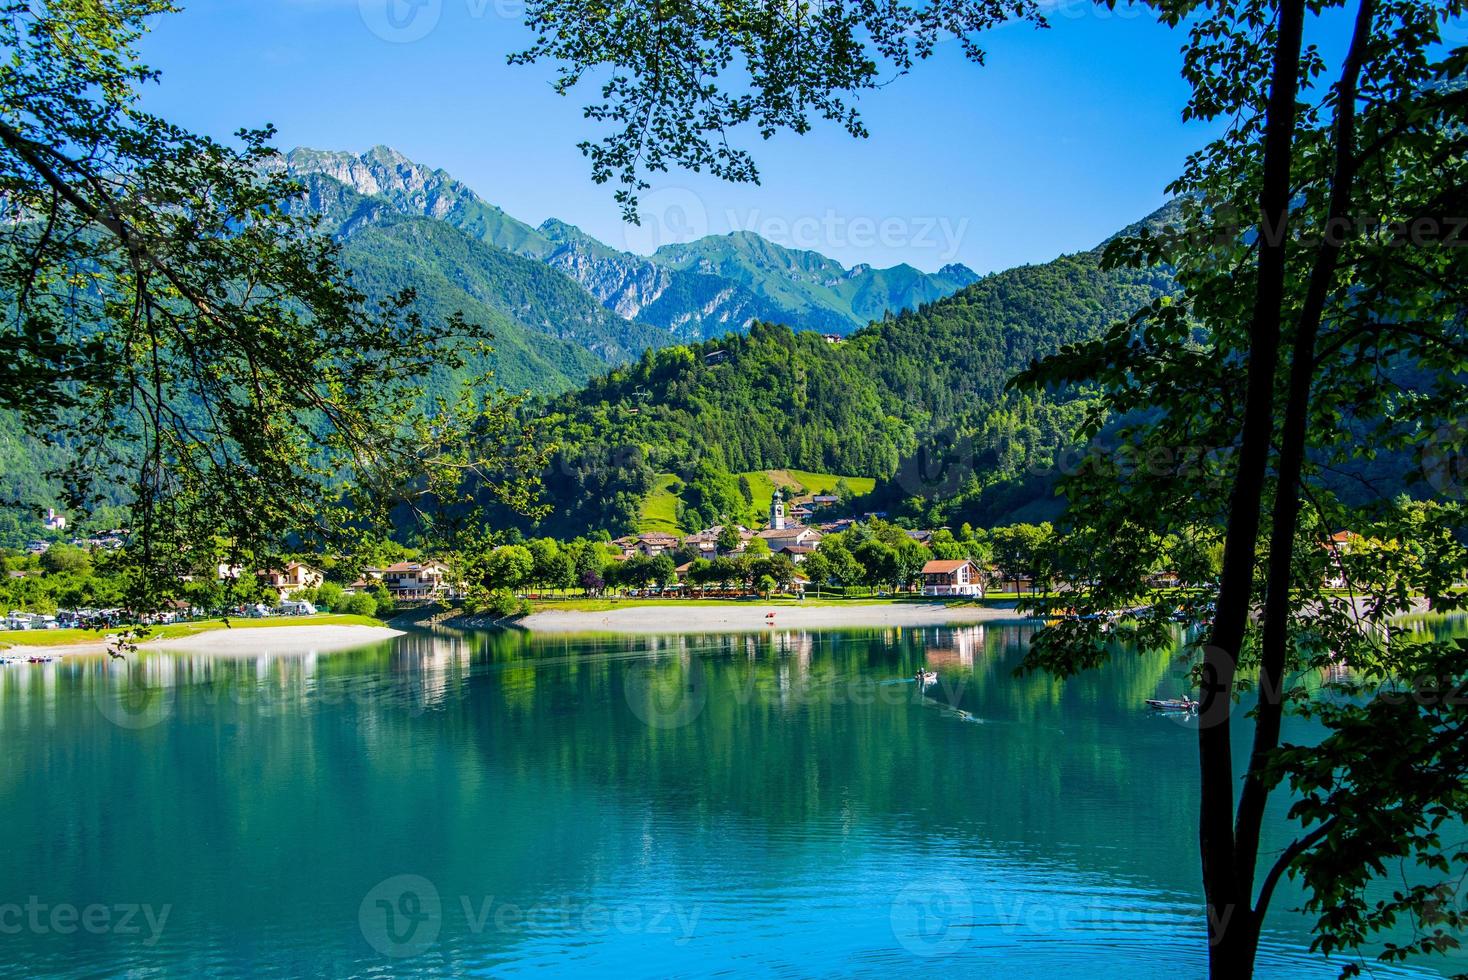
(916, 401)
(875, 404)
(24, 487)
(548, 334)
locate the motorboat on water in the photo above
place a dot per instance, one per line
(1184, 703)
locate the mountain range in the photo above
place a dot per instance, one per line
(562, 307)
(690, 291)
(665, 377)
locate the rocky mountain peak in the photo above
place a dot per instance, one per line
(384, 172)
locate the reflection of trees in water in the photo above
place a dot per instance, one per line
(516, 762)
(799, 730)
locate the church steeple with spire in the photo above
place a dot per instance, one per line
(777, 511)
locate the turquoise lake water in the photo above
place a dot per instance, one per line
(777, 804)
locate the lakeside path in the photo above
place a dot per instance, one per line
(238, 641)
(744, 617)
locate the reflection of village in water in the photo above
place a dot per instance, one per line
(139, 690)
(419, 670)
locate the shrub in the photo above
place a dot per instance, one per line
(330, 597)
(360, 604)
(385, 604)
(502, 603)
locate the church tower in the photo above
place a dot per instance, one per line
(777, 511)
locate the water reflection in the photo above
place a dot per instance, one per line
(785, 802)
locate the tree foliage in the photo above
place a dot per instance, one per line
(677, 78)
(1320, 322)
(183, 334)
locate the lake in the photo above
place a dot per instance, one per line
(780, 804)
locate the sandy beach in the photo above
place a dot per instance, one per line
(247, 642)
(243, 641)
(741, 617)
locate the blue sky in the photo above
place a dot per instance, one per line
(1065, 136)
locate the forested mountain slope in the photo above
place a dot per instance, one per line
(548, 333)
(866, 406)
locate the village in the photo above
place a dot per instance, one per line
(796, 555)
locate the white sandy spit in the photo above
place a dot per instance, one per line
(250, 642)
(241, 642)
(739, 618)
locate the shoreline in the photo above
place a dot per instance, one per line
(234, 641)
(753, 617)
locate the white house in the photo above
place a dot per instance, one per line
(416, 580)
(295, 575)
(952, 577)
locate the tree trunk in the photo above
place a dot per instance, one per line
(1286, 514)
(1233, 944)
(1232, 931)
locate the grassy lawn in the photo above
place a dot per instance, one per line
(799, 483)
(660, 508)
(826, 482)
(57, 638)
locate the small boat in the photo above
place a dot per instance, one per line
(926, 676)
(1173, 704)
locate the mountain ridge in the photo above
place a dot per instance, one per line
(678, 288)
